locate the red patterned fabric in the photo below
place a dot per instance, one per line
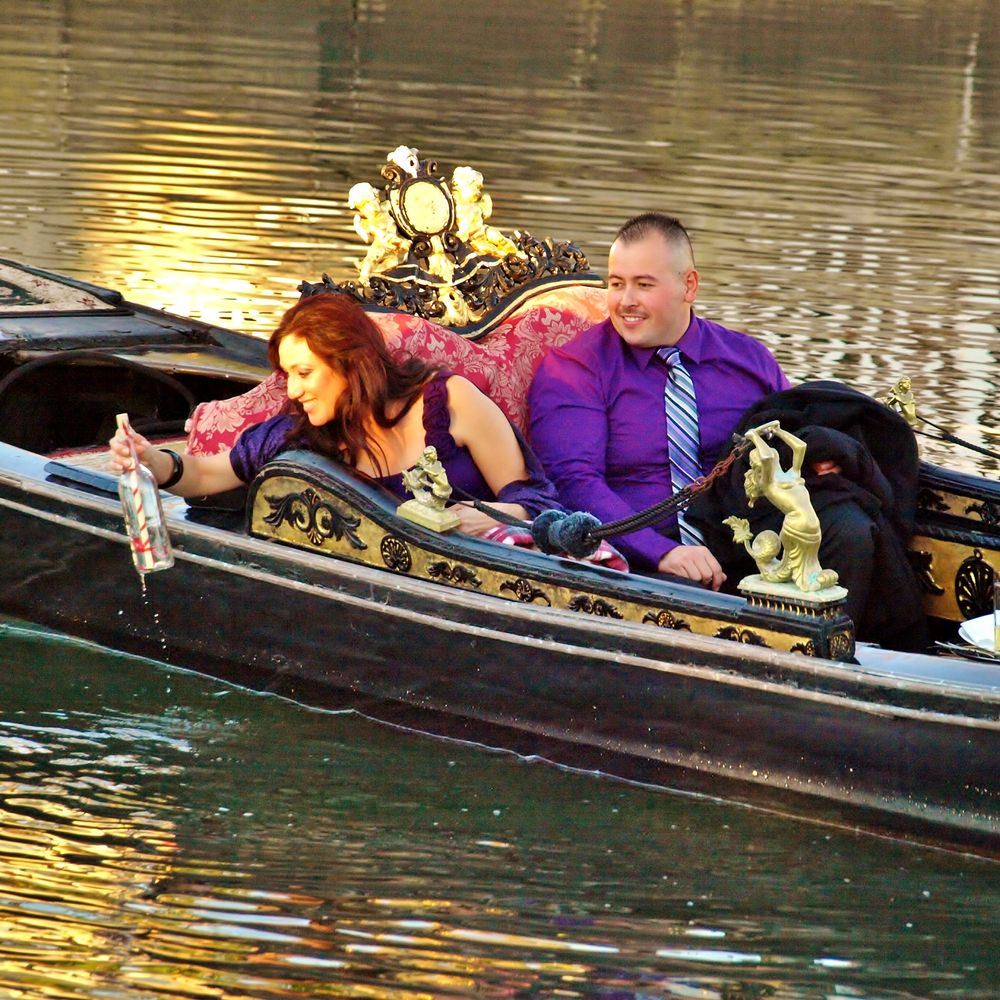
(215, 426)
(502, 363)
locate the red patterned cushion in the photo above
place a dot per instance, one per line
(502, 363)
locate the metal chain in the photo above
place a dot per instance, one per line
(644, 518)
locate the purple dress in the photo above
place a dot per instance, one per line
(257, 445)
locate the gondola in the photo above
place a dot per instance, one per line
(310, 584)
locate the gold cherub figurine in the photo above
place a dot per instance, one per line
(473, 207)
(374, 223)
(900, 398)
(428, 482)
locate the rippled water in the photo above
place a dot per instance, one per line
(161, 836)
(164, 836)
(837, 163)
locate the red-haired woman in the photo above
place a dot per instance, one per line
(349, 399)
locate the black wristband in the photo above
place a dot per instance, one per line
(177, 472)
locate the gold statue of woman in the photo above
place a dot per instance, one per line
(799, 539)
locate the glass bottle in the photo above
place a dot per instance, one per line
(144, 521)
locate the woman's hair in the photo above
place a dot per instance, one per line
(340, 333)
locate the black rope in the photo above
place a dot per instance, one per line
(950, 438)
(580, 533)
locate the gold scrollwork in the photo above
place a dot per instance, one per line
(317, 518)
(923, 566)
(842, 645)
(744, 635)
(665, 619)
(594, 606)
(988, 510)
(450, 573)
(524, 591)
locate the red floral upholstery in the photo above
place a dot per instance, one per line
(502, 363)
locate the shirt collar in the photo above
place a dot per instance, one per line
(691, 345)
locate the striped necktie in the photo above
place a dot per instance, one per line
(681, 405)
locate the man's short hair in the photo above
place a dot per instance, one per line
(671, 229)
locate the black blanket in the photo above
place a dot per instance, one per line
(877, 453)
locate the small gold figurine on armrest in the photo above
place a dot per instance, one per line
(428, 482)
(900, 398)
(792, 555)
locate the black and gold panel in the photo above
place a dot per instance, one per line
(956, 548)
(316, 506)
(981, 512)
(956, 575)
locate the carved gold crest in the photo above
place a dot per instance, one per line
(433, 252)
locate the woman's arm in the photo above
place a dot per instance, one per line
(478, 424)
(203, 474)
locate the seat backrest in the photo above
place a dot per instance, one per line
(502, 363)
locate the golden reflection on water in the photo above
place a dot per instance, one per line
(837, 168)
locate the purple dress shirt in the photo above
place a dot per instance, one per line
(599, 425)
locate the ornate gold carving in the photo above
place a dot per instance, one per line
(428, 482)
(472, 208)
(744, 635)
(524, 591)
(900, 398)
(318, 519)
(395, 554)
(431, 250)
(793, 555)
(974, 586)
(665, 619)
(807, 648)
(988, 510)
(923, 566)
(842, 645)
(931, 501)
(594, 606)
(450, 573)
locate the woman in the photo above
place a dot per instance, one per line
(349, 399)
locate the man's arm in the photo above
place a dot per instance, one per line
(569, 432)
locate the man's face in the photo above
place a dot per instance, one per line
(651, 286)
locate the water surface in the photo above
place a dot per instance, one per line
(163, 836)
(836, 163)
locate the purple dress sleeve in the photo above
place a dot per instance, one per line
(257, 445)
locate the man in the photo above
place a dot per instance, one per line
(598, 417)
(608, 427)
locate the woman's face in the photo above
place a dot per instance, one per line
(312, 383)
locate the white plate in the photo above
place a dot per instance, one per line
(978, 632)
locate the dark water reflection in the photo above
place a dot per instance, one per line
(164, 836)
(837, 163)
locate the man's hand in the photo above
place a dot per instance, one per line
(825, 467)
(694, 562)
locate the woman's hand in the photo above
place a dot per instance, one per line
(119, 453)
(202, 474)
